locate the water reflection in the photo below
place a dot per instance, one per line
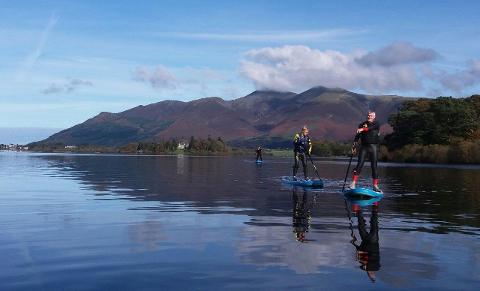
(368, 250)
(181, 164)
(147, 236)
(448, 196)
(224, 220)
(301, 214)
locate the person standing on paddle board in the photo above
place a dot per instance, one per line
(259, 154)
(368, 133)
(302, 146)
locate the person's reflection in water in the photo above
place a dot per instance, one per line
(301, 215)
(368, 252)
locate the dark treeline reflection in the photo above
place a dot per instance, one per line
(443, 195)
(204, 182)
(446, 195)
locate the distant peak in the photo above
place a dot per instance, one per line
(206, 99)
(269, 92)
(323, 88)
(170, 101)
(319, 88)
(265, 91)
(102, 116)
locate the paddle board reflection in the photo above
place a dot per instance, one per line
(301, 215)
(368, 250)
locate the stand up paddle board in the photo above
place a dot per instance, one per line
(362, 192)
(258, 161)
(363, 202)
(301, 182)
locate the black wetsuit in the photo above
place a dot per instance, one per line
(369, 247)
(259, 155)
(301, 147)
(369, 146)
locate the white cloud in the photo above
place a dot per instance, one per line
(459, 80)
(398, 53)
(296, 68)
(398, 67)
(53, 89)
(75, 83)
(159, 78)
(188, 82)
(66, 87)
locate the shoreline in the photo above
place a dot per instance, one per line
(216, 155)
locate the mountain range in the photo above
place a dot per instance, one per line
(261, 117)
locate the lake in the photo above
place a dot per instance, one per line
(108, 222)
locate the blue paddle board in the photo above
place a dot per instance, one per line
(301, 182)
(258, 161)
(363, 202)
(362, 192)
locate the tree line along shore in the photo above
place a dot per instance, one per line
(440, 130)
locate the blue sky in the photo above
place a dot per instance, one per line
(65, 61)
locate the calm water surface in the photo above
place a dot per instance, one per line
(84, 222)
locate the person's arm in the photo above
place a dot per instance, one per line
(359, 132)
(357, 137)
(374, 126)
(360, 127)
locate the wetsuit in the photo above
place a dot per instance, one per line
(302, 145)
(259, 154)
(370, 139)
(369, 248)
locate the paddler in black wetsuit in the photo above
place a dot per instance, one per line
(302, 146)
(259, 154)
(368, 133)
(368, 252)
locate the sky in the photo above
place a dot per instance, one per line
(63, 62)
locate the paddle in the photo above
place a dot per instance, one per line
(314, 167)
(348, 169)
(349, 215)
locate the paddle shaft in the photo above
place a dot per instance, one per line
(348, 169)
(350, 222)
(314, 167)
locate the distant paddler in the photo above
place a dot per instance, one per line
(258, 151)
(368, 133)
(302, 146)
